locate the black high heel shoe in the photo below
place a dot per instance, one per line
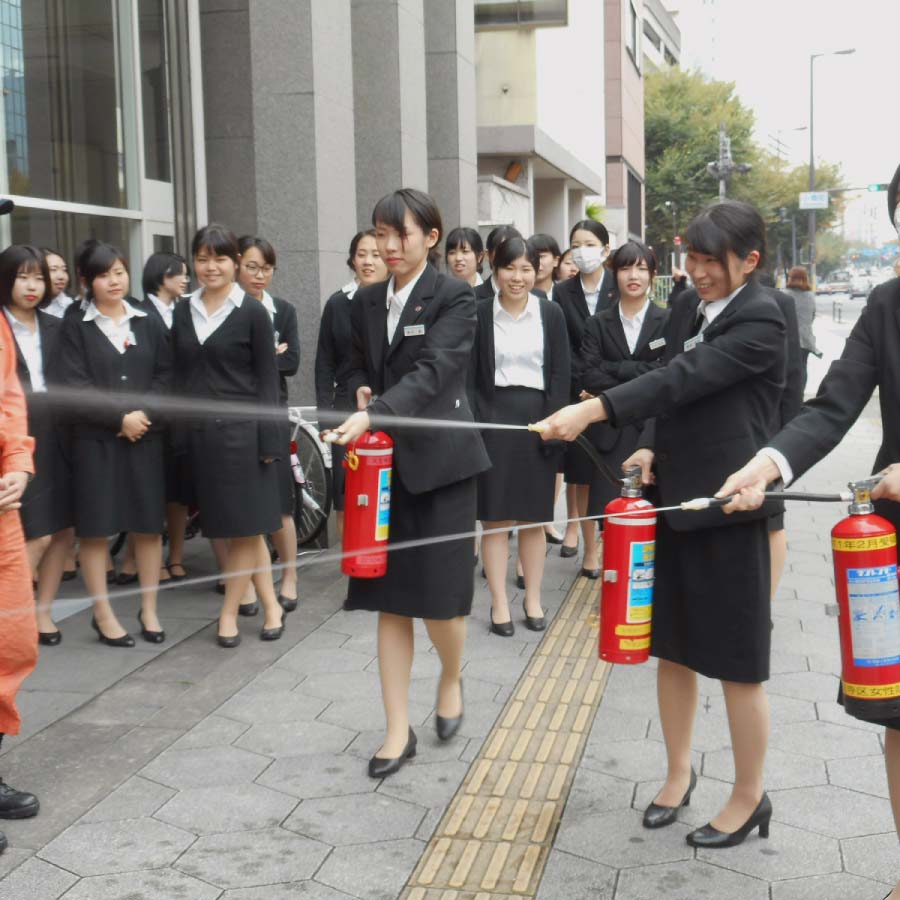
(657, 816)
(504, 629)
(49, 638)
(272, 634)
(381, 768)
(446, 728)
(710, 837)
(125, 641)
(288, 604)
(229, 643)
(566, 552)
(248, 609)
(151, 637)
(533, 623)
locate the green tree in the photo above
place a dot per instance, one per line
(682, 113)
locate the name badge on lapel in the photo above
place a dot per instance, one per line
(413, 330)
(130, 340)
(659, 342)
(691, 343)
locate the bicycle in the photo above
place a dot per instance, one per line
(311, 463)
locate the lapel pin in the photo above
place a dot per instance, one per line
(418, 309)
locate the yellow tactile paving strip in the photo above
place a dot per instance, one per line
(494, 838)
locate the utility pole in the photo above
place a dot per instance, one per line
(725, 166)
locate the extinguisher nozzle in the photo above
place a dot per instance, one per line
(537, 428)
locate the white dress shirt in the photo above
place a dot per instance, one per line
(592, 297)
(519, 346)
(205, 324)
(350, 288)
(166, 310)
(714, 308)
(633, 325)
(119, 333)
(58, 305)
(396, 300)
(30, 344)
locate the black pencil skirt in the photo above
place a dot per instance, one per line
(286, 475)
(338, 476)
(432, 581)
(711, 604)
(578, 466)
(47, 501)
(520, 484)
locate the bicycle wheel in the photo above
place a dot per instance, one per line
(116, 543)
(312, 498)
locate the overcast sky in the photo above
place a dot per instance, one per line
(764, 47)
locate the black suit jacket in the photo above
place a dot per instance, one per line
(570, 296)
(871, 359)
(333, 358)
(485, 290)
(50, 329)
(556, 360)
(714, 404)
(421, 375)
(608, 363)
(792, 398)
(286, 332)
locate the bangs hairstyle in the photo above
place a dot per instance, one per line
(598, 229)
(496, 236)
(798, 278)
(632, 252)
(354, 244)
(96, 261)
(545, 243)
(49, 251)
(21, 258)
(729, 225)
(462, 237)
(218, 240)
(160, 266)
(515, 248)
(391, 211)
(562, 256)
(268, 251)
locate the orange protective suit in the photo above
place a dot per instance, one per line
(18, 627)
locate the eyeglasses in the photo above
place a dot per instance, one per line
(254, 268)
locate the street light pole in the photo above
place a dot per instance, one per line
(812, 160)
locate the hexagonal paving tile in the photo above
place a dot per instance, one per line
(343, 686)
(295, 738)
(204, 767)
(239, 807)
(804, 685)
(788, 853)
(568, 877)
(318, 775)
(253, 858)
(372, 871)
(832, 810)
(612, 724)
(356, 819)
(593, 792)
(834, 713)
(782, 710)
(617, 839)
(688, 880)
(426, 784)
(632, 760)
(824, 740)
(304, 661)
(157, 884)
(847, 887)
(274, 706)
(496, 671)
(213, 731)
(783, 770)
(865, 774)
(103, 848)
(36, 880)
(876, 856)
(300, 890)
(365, 715)
(710, 731)
(133, 799)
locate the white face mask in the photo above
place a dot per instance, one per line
(589, 259)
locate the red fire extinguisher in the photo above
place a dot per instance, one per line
(864, 546)
(367, 505)
(626, 595)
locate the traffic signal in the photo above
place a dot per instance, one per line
(875, 188)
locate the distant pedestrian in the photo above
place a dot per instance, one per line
(799, 288)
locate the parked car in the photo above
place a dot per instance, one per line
(837, 282)
(860, 285)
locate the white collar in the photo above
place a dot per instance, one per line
(712, 309)
(638, 317)
(21, 327)
(159, 303)
(350, 288)
(531, 309)
(235, 295)
(268, 303)
(585, 291)
(92, 312)
(478, 280)
(402, 295)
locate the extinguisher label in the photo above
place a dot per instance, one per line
(383, 518)
(874, 615)
(879, 542)
(640, 581)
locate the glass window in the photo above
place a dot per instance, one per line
(634, 205)
(63, 231)
(632, 34)
(505, 13)
(154, 90)
(62, 88)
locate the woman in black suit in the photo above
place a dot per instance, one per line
(412, 346)
(122, 358)
(714, 403)
(46, 507)
(586, 294)
(225, 353)
(333, 351)
(258, 263)
(521, 374)
(619, 344)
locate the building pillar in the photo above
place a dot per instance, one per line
(389, 99)
(551, 207)
(451, 109)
